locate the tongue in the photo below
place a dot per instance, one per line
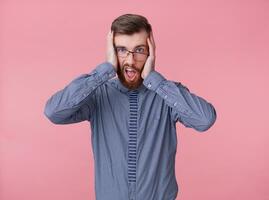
(130, 74)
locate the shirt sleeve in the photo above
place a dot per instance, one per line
(76, 101)
(189, 109)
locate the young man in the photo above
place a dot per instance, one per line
(133, 116)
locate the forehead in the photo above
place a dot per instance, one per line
(131, 41)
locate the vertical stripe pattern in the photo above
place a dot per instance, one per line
(133, 99)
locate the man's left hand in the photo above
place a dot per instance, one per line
(150, 62)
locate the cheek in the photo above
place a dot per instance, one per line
(140, 68)
(120, 63)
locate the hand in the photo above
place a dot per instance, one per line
(111, 53)
(150, 62)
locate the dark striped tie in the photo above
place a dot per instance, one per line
(133, 99)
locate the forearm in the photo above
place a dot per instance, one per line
(193, 111)
(75, 102)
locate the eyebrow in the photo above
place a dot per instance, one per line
(141, 45)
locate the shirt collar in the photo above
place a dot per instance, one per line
(117, 83)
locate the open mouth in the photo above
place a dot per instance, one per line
(130, 73)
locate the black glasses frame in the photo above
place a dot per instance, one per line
(132, 52)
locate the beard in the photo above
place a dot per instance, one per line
(122, 78)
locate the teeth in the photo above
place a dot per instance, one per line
(130, 69)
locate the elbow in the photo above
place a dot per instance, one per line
(52, 116)
(207, 121)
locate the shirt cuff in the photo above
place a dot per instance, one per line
(153, 80)
(104, 71)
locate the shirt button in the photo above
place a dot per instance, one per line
(165, 96)
(84, 95)
(149, 85)
(175, 103)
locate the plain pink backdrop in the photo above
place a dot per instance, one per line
(218, 49)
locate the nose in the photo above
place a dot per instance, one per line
(130, 59)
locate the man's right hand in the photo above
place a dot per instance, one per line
(111, 53)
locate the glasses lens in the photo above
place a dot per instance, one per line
(140, 56)
(121, 52)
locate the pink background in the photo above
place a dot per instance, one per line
(218, 49)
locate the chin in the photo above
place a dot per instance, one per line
(130, 85)
(133, 85)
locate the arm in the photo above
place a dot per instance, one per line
(76, 101)
(188, 108)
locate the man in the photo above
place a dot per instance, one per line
(133, 116)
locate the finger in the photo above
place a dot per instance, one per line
(110, 36)
(152, 39)
(109, 33)
(151, 36)
(151, 50)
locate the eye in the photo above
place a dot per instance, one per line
(140, 50)
(121, 49)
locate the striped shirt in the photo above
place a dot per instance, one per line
(134, 136)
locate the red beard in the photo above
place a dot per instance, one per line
(121, 76)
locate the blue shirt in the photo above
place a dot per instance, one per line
(134, 137)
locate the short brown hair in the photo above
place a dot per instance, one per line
(130, 23)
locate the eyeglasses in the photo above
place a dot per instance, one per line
(140, 54)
